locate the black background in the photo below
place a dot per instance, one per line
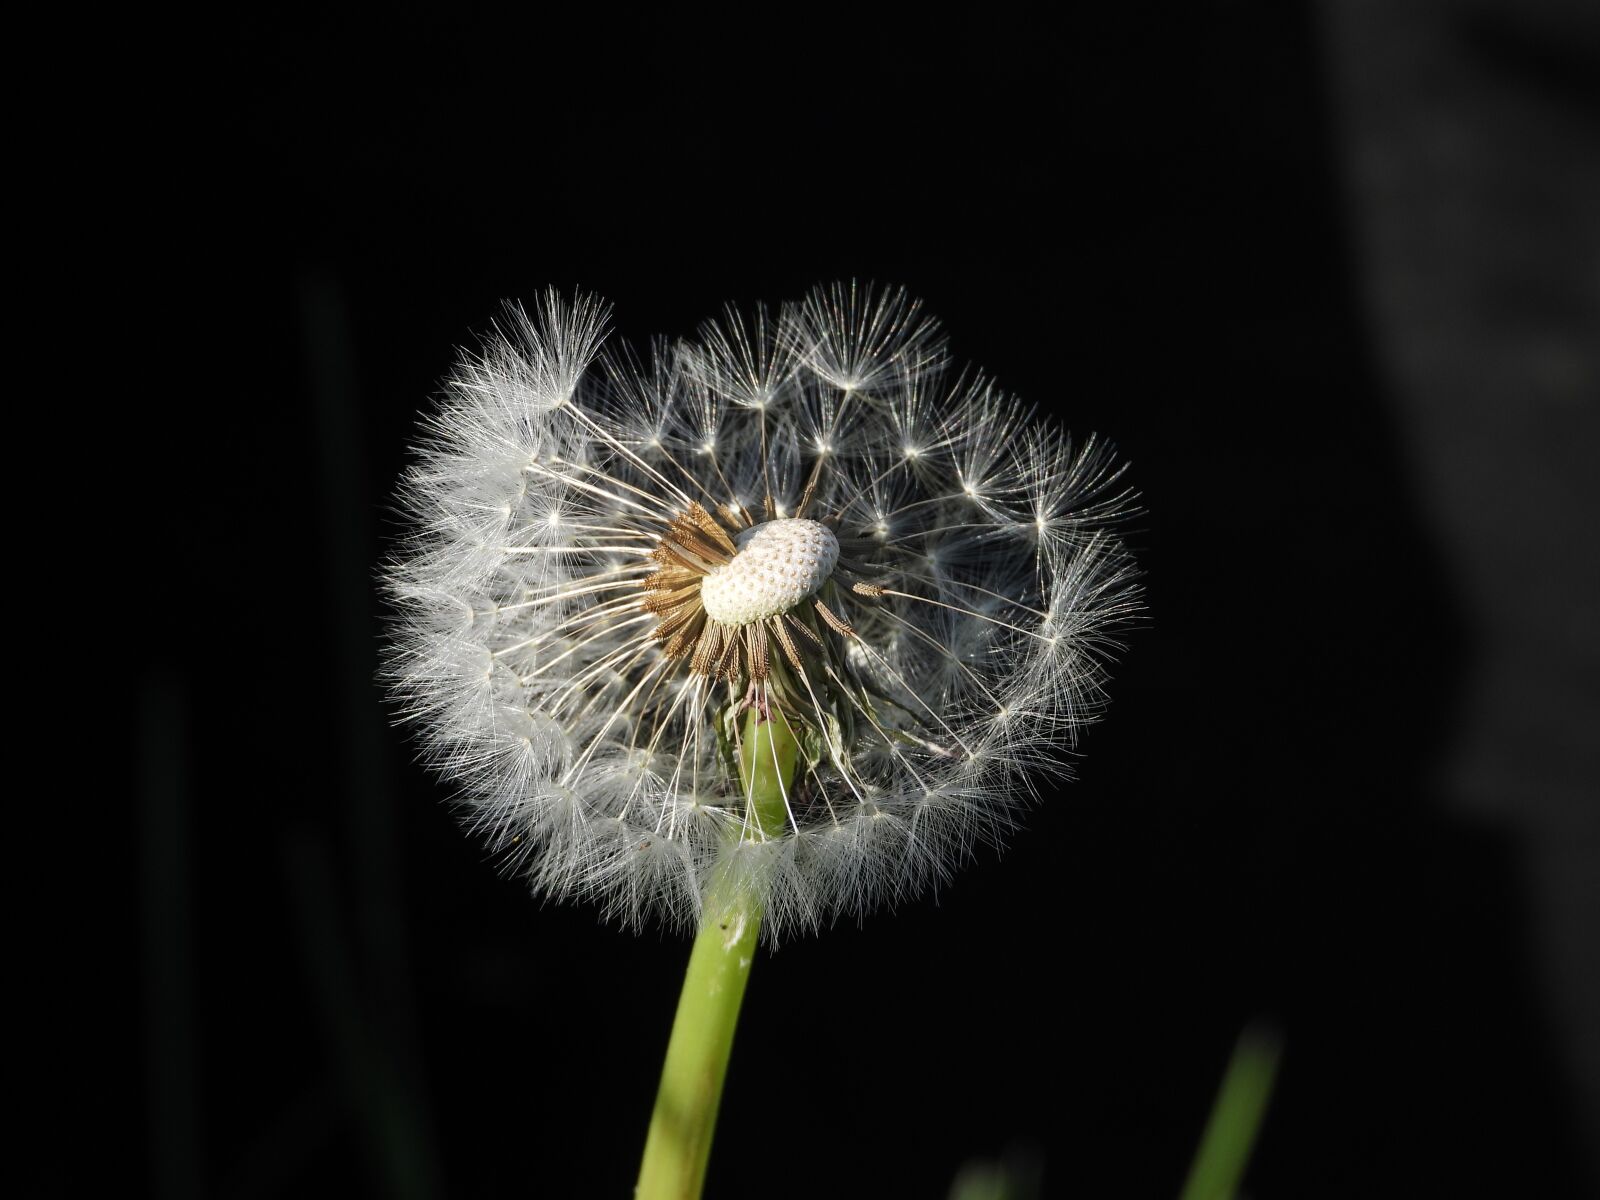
(1143, 219)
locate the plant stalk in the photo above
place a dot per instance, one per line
(1235, 1120)
(678, 1146)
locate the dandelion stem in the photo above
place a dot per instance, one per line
(678, 1146)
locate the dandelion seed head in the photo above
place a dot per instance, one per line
(612, 557)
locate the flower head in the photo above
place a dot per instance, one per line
(614, 559)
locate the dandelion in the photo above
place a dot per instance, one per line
(753, 630)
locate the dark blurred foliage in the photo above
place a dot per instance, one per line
(1326, 276)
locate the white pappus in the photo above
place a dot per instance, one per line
(611, 557)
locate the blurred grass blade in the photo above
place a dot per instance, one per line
(1230, 1134)
(1019, 1175)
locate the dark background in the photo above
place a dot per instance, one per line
(1326, 275)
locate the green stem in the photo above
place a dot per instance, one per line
(1235, 1120)
(678, 1146)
